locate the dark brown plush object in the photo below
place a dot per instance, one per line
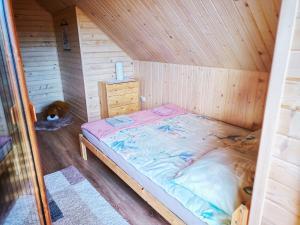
(57, 108)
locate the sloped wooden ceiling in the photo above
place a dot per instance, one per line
(219, 33)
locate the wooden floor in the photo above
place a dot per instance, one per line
(60, 149)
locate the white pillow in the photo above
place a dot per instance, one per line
(219, 178)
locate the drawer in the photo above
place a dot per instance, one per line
(122, 92)
(121, 86)
(120, 100)
(125, 109)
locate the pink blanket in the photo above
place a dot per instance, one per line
(100, 128)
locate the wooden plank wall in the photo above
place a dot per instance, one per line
(233, 96)
(38, 47)
(70, 63)
(282, 202)
(99, 55)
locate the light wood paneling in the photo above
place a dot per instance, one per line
(38, 47)
(233, 96)
(230, 34)
(70, 63)
(287, 149)
(99, 55)
(279, 215)
(282, 204)
(294, 71)
(286, 173)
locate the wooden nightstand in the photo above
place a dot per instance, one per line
(117, 98)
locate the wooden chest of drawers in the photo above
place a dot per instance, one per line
(119, 98)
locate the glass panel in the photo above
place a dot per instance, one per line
(18, 182)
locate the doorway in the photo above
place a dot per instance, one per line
(21, 186)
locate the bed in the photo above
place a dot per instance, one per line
(190, 168)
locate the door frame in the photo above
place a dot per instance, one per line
(20, 92)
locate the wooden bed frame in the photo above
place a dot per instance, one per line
(239, 217)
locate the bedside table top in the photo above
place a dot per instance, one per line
(114, 81)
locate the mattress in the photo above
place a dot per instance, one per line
(157, 191)
(5, 146)
(154, 153)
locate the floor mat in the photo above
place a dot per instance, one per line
(55, 124)
(72, 201)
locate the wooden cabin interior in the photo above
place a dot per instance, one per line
(212, 84)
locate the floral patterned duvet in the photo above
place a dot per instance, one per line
(167, 149)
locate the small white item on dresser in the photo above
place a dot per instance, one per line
(119, 71)
(143, 99)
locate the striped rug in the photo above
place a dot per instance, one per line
(72, 201)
